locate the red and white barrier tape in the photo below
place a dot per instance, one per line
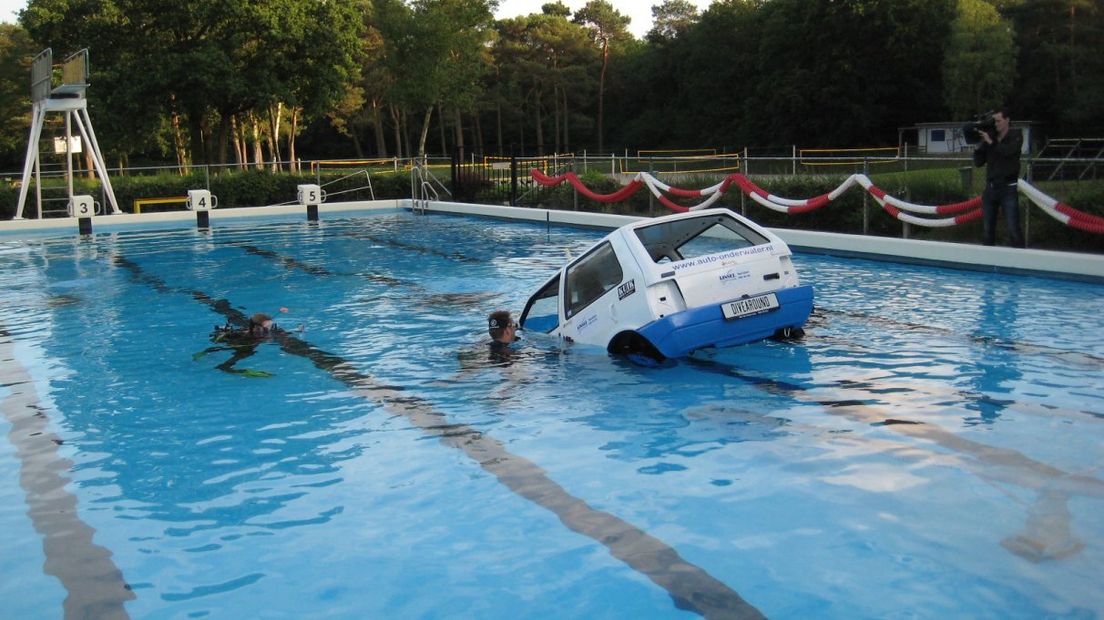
(658, 188)
(571, 177)
(1062, 212)
(962, 212)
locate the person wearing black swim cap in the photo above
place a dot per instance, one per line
(502, 328)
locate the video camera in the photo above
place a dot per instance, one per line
(971, 131)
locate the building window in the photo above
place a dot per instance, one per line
(939, 135)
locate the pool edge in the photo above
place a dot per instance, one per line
(1044, 263)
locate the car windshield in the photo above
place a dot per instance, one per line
(686, 238)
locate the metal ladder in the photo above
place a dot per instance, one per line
(421, 188)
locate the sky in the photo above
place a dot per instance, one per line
(9, 10)
(639, 10)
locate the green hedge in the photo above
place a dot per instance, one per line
(233, 189)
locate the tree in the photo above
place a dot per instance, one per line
(846, 73)
(123, 108)
(672, 19)
(203, 62)
(1060, 65)
(566, 52)
(16, 50)
(363, 104)
(540, 62)
(436, 53)
(699, 80)
(979, 65)
(187, 80)
(321, 59)
(607, 25)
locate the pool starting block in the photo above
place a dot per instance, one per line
(310, 196)
(83, 207)
(201, 201)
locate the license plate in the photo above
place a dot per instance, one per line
(751, 305)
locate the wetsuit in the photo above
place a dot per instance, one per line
(243, 343)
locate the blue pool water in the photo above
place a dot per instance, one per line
(932, 448)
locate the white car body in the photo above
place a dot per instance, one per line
(674, 284)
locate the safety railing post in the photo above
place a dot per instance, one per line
(905, 228)
(1026, 221)
(744, 163)
(454, 171)
(575, 192)
(866, 205)
(651, 198)
(1026, 210)
(513, 179)
(574, 199)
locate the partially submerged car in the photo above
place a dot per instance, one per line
(667, 286)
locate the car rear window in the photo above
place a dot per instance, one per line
(681, 239)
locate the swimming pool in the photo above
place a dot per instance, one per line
(932, 448)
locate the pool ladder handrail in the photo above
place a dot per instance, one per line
(367, 176)
(423, 191)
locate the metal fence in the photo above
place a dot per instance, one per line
(506, 179)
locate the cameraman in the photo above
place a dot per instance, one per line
(999, 152)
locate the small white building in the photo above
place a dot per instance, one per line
(946, 137)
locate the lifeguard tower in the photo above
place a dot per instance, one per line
(68, 99)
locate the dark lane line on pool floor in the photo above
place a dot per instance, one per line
(1075, 357)
(94, 584)
(1048, 534)
(409, 247)
(464, 300)
(689, 586)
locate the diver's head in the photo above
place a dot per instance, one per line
(260, 324)
(501, 327)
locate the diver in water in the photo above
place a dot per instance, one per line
(503, 331)
(500, 351)
(243, 342)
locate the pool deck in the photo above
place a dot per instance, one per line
(1045, 263)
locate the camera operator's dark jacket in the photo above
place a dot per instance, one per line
(1002, 157)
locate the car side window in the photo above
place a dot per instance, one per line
(591, 277)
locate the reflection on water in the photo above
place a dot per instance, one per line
(995, 372)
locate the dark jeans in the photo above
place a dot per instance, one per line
(997, 197)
